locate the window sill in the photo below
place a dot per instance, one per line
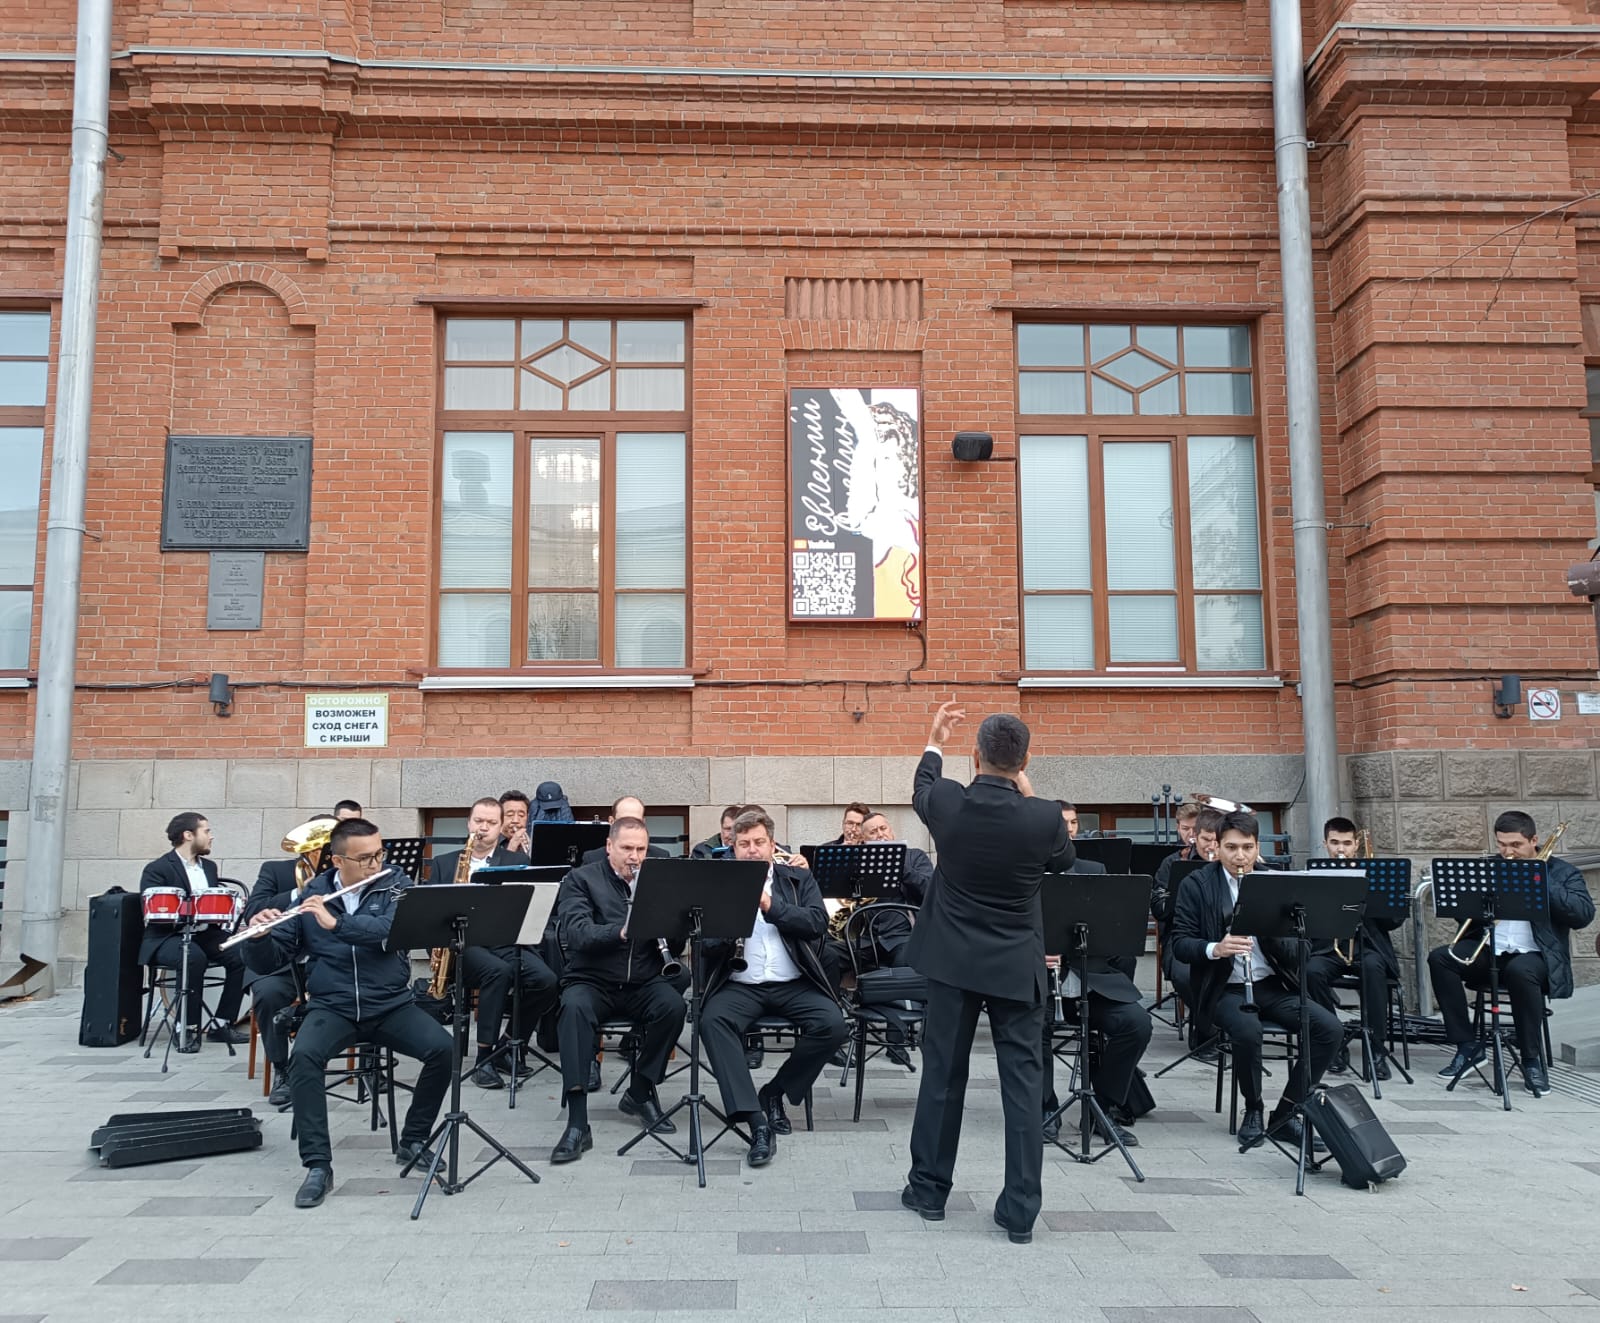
(1150, 682)
(15, 682)
(662, 680)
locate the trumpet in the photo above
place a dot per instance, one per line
(1462, 933)
(294, 911)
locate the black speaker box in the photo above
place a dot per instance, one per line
(972, 447)
(113, 979)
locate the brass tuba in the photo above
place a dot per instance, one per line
(307, 842)
(1545, 851)
(439, 970)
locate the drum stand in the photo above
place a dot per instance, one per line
(175, 1008)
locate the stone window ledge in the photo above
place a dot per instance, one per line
(1150, 682)
(446, 683)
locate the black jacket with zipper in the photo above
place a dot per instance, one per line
(801, 919)
(590, 911)
(349, 968)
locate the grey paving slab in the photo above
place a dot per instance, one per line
(697, 1296)
(200, 1206)
(802, 1242)
(183, 1098)
(1589, 1284)
(880, 1201)
(37, 1249)
(371, 1185)
(179, 1272)
(1167, 1185)
(368, 1142)
(1297, 1267)
(1419, 1128)
(20, 1318)
(1589, 1166)
(842, 1125)
(670, 1167)
(1110, 1222)
(1180, 1314)
(1440, 1104)
(155, 1171)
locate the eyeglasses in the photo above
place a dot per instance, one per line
(365, 860)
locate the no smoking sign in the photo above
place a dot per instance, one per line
(1544, 705)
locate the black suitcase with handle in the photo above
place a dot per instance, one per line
(113, 978)
(1355, 1137)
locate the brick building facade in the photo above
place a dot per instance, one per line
(540, 282)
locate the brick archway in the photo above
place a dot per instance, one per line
(191, 311)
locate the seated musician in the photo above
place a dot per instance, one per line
(515, 808)
(782, 976)
(1230, 972)
(1115, 1011)
(850, 830)
(882, 944)
(608, 975)
(357, 991)
(1534, 960)
(1200, 843)
(347, 808)
(1341, 840)
(493, 969)
(278, 886)
(188, 868)
(628, 806)
(719, 846)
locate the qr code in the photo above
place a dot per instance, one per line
(824, 583)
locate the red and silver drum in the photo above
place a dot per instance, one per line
(218, 907)
(165, 904)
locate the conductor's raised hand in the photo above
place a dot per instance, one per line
(945, 720)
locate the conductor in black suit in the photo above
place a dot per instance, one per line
(979, 940)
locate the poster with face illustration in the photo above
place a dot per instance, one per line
(855, 505)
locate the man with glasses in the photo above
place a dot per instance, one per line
(357, 991)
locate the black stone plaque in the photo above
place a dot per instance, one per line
(234, 589)
(237, 493)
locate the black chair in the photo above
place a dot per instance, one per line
(887, 1006)
(1272, 1036)
(1502, 1009)
(1395, 1017)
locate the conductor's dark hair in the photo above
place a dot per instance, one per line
(1239, 821)
(1341, 825)
(515, 797)
(350, 804)
(618, 824)
(1003, 742)
(750, 819)
(1210, 820)
(349, 829)
(1513, 820)
(183, 823)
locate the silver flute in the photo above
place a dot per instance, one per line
(294, 911)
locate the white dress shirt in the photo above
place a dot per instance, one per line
(197, 875)
(767, 959)
(1259, 967)
(1514, 935)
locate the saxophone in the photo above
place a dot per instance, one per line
(439, 962)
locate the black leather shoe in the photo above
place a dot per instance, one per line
(841, 1057)
(575, 1141)
(1380, 1069)
(1120, 1115)
(1128, 1138)
(226, 1033)
(763, 1144)
(1535, 1078)
(592, 1084)
(1286, 1129)
(1012, 1234)
(524, 1069)
(1465, 1059)
(927, 1212)
(486, 1076)
(1252, 1130)
(648, 1110)
(314, 1189)
(1206, 1056)
(777, 1118)
(1340, 1063)
(414, 1148)
(279, 1097)
(898, 1054)
(754, 1055)
(189, 1048)
(1052, 1126)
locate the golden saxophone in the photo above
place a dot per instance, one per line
(1462, 934)
(439, 966)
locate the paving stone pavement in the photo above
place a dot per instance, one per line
(1212, 1235)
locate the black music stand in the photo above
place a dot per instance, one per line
(858, 872)
(1307, 908)
(404, 853)
(1146, 856)
(1485, 891)
(458, 917)
(675, 899)
(564, 843)
(1115, 852)
(1388, 897)
(545, 882)
(1092, 916)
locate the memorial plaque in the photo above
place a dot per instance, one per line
(237, 493)
(234, 589)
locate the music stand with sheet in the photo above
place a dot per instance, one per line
(857, 872)
(1484, 891)
(1115, 852)
(1092, 916)
(694, 899)
(564, 843)
(1305, 908)
(458, 917)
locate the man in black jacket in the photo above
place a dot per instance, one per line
(606, 975)
(979, 940)
(187, 867)
(357, 991)
(1239, 982)
(493, 969)
(719, 846)
(782, 976)
(1533, 959)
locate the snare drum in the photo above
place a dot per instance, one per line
(165, 904)
(218, 907)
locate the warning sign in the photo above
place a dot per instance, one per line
(1544, 705)
(346, 721)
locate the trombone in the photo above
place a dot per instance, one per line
(1463, 933)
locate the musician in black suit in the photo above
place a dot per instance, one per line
(1116, 1012)
(979, 940)
(629, 806)
(493, 969)
(782, 976)
(187, 868)
(278, 886)
(1534, 958)
(1232, 972)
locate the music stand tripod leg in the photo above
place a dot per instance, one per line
(1082, 1092)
